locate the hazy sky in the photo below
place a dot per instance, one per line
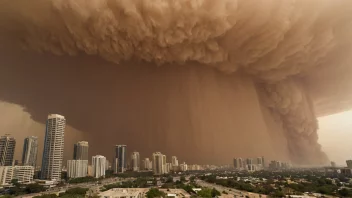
(335, 133)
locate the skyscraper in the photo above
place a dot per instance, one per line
(158, 163)
(135, 161)
(81, 151)
(120, 154)
(7, 150)
(238, 163)
(98, 165)
(53, 147)
(174, 161)
(30, 150)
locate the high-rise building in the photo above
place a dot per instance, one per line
(30, 151)
(53, 147)
(263, 162)
(80, 151)
(120, 154)
(333, 164)
(7, 150)
(184, 166)
(238, 163)
(77, 168)
(135, 161)
(24, 174)
(158, 163)
(147, 164)
(174, 161)
(164, 164)
(98, 165)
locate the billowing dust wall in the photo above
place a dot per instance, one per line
(205, 80)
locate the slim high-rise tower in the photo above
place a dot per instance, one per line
(81, 151)
(135, 161)
(158, 163)
(53, 147)
(7, 150)
(120, 155)
(30, 150)
(98, 163)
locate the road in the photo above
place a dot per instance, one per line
(231, 191)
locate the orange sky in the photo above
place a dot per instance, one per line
(335, 133)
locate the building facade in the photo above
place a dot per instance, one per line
(7, 150)
(77, 168)
(30, 151)
(24, 174)
(135, 161)
(53, 147)
(80, 151)
(158, 163)
(98, 166)
(120, 155)
(147, 164)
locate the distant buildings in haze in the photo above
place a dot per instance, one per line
(80, 151)
(135, 161)
(7, 150)
(120, 158)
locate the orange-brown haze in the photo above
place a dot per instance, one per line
(203, 80)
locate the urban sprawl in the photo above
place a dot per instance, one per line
(155, 176)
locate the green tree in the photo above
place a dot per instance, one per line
(205, 193)
(34, 188)
(46, 196)
(344, 192)
(154, 193)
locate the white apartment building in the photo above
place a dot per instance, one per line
(135, 161)
(98, 165)
(183, 167)
(24, 174)
(53, 147)
(147, 164)
(158, 165)
(77, 168)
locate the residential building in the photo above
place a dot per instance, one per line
(174, 161)
(183, 167)
(164, 164)
(333, 164)
(120, 154)
(77, 168)
(80, 151)
(30, 151)
(238, 163)
(7, 150)
(116, 165)
(158, 163)
(24, 174)
(135, 161)
(147, 164)
(53, 147)
(98, 164)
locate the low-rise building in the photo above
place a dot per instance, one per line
(124, 192)
(24, 174)
(176, 193)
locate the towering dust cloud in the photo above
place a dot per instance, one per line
(205, 80)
